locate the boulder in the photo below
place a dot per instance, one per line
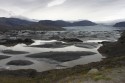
(93, 71)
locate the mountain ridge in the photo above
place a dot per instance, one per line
(120, 24)
(48, 25)
(67, 23)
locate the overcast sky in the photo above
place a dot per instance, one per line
(94, 10)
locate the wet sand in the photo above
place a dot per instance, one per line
(61, 56)
(4, 57)
(14, 52)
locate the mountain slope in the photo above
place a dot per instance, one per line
(19, 24)
(55, 23)
(120, 24)
(14, 22)
(83, 23)
(66, 23)
(48, 25)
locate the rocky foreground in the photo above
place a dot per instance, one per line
(111, 49)
(105, 71)
(109, 70)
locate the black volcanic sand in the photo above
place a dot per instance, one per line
(61, 56)
(20, 62)
(4, 57)
(87, 45)
(14, 52)
(71, 40)
(11, 42)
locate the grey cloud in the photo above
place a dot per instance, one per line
(5, 13)
(70, 9)
(23, 4)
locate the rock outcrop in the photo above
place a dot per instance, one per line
(114, 48)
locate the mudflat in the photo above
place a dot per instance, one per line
(61, 56)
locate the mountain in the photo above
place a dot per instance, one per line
(14, 22)
(38, 26)
(120, 24)
(19, 24)
(48, 25)
(55, 23)
(83, 23)
(66, 23)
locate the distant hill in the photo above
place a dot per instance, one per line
(120, 24)
(66, 23)
(83, 23)
(48, 25)
(19, 24)
(38, 26)
(55, 23)
(14, 22)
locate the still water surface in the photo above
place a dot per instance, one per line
(47, 64)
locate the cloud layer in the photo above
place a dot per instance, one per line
(55, 3)
(95, 10)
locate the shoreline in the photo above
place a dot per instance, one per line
(58, 74)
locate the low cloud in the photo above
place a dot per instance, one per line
(96, 10)
(55, 2)
(5, 13)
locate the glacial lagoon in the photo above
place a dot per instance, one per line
(89, 44)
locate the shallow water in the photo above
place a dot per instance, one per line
(92, 28)
(46, 64)
(90, 35)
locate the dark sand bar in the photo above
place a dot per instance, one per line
(4, 57)
(61, 56)
(20, 62)
(14, 52)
